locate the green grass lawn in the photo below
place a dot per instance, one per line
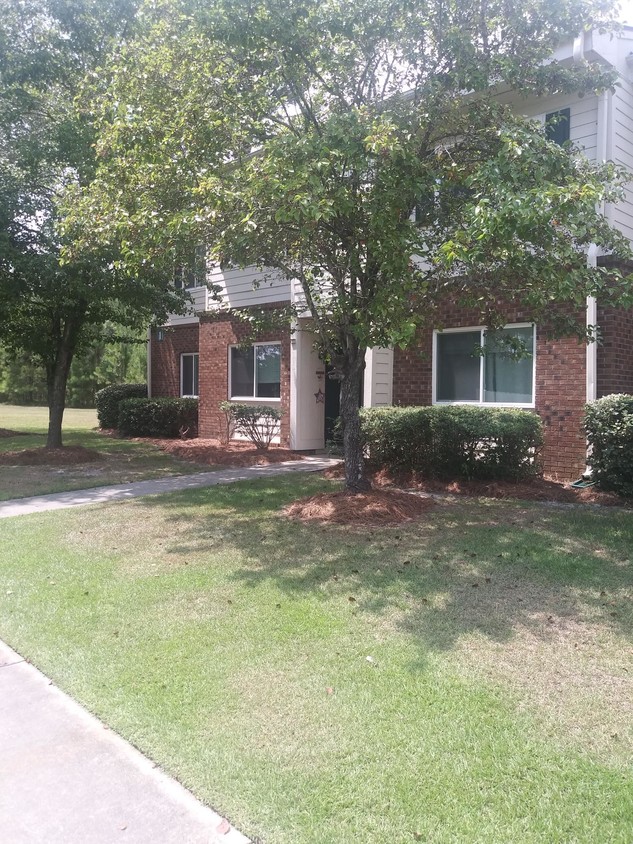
(119, 461)
(466, 678)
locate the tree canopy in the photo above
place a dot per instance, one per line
(363, 150)
(50, 302)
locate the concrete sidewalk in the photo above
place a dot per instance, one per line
(67, 779)
(75, 498)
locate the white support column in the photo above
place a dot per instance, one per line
(307, 390)
(378, 383)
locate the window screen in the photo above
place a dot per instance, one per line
(189, 375)
(507, 376)
(256, 371)
(503, 374)
(458, 366)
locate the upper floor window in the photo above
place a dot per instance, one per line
(557, 126)
(193, 271)
(470, 365)
(255, 371)
(189, 375)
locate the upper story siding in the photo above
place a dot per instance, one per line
(601, 126)
(621, 151)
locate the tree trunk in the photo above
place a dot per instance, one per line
(355, 480)
(56, 380)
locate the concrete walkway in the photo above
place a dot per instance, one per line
(97, 495)
(67, 779)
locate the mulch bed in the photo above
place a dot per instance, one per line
(537, 489)
(6, 432)
(387, 505)
(210, 452)
(377, 508)
(70, 455)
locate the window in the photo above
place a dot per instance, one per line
(189, 375)
(503, 374)
(255, 371)
(193, 271)
(557, 126)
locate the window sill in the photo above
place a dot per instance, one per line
(262, 400)
(519, 405)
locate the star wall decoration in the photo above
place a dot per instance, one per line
(320, 396)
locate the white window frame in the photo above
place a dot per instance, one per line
(183, 355)
(254, 398)
(481, 402)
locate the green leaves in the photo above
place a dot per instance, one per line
(360, 149)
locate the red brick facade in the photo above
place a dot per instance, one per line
(615, 354)
(560, 386)
(217, 333)
(165, 357)
(560, 380)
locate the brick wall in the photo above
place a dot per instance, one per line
(217, 333)
(615, 354)
(560, 386)
(165, 357)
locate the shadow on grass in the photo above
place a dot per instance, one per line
(469, 566)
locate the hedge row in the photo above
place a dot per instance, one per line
(108, 399)
(160, 417)
(454, 441)
(609, 428)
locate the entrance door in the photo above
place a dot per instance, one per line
(332, 403)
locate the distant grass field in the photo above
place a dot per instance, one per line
(463, 679)
(118, 461)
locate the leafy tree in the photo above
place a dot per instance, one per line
(361, 149)
(105, 360)
(51, 303)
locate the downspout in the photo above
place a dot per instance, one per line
(149, 363)
(603, 139)
(592, 346)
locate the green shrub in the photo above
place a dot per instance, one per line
(107, 401)
(609, 428)
(457, 441)
(259, 423)
(160, 417)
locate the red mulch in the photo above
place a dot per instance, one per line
(213, 453)
(69, 455)
(5, 432)
(537, 489)
(377, 508)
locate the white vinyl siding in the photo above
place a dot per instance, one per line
(622, 152)
(583, 119)
(199, 304)
(241, 288)
(378, 381)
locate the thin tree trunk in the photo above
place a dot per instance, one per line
(355, 480)
(57, 372)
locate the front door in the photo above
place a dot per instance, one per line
(332, 403)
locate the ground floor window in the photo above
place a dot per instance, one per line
(255, 371)
(470, 365)
(189, 375)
